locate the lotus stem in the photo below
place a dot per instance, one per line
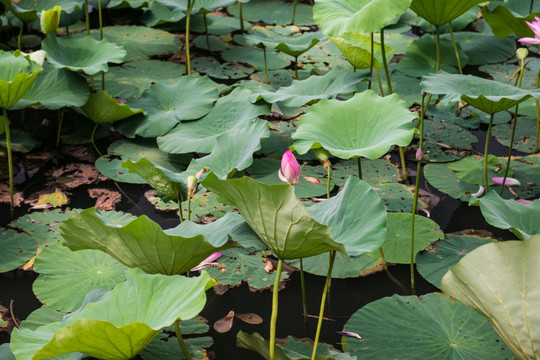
(370, 60)
(390, 276)
(189, 207)
(19, 39)
(379, 81)
(180, 211)
(181, 340)
(537, 114)
(265, 66)
(486, 149)
(455, 47)
(293, 12)
(241, 17)
(101, 38)
(273, 318)
(385, 64)
(438, 47)
(10, 160)
(360, 168)
(296, 67)
(303, 285)
(328, 182)
(93, 141)
(416, 188)
(191, 3)
(60, 120)
(87, 17)
(332, 256)
(531, 7)
(206, 33)
(403, 163)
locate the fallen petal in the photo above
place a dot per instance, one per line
(479, 192)
(208, 261)
(224, 324)
(509, 181)
(349, 334)
(250, 318)
(523, 201)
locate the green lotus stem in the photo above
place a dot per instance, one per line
(241, 17)
(438, 47)
(191, 3)
(370, 60)
(206, 33)
(181, 340)
(87, 17)
(537, 114)
(379, 81)
(486, 149)
(385, 64)
(511, 146)
(265, 66)
(455, 47)
(180, 211)
(296, 67)
(360, 168)
(332, 256)
(416, 188)
(10, 160)
(60, 120)
(189, 207)
(93, 141)
(293, 12)
(531, 7)
(403, 162)
(328, 182)
(388, 273)
(19, 39)
(303, 285)
(273, 318)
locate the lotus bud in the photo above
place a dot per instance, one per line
(509, 181)
(522, 53)
(419, 154)
(290, 169)
(50, 19)
(191, 185)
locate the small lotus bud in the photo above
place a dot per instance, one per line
(522, 53)
(290, 169)
(419, 154)
(191, 185)
(50, 19)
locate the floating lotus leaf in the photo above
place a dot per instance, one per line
(218, 24)
(524, 138)
(54, 89)
(255, 57)
(82, 53)
(357, 50)
(470, 169)
(344, 267)
(483, 48)
(280, 220)
(65, 277)
(42, 226)
(15, 249)
(230, 114)
(498, 281)
(142, 243)
(157, 13)
(521, 219)
(167, 105)
(165, 347)
(426, 327)
(130, 317)
(20, 141)
(273, 12)
(486, 95)
(337, 17)
(378, 123)
(103, 108)
(17, 74)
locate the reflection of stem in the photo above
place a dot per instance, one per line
(92, 139)
(87, 16)
(328, 182)
(486, 148)
(360, 167)
(265, 66)
(296, 67)
(20, 37)
(370, 60)
(385, 64)
(10, 159)
(273, 318)
(416, 187)
(455, 47)
(385, 266)
(438, 47)
(241, 17)
(188, 17)
(60, 120)
(537, 114)
(181, 340)
(303, 285)
(332, 256)
(206, 33)
(293, 12)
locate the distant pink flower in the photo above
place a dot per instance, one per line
(535, 27)
(290, 169)
(523, 201)
(509, 181)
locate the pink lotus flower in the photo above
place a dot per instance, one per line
(209, 261)
(509, 181)
(535, 27)
(290, 169)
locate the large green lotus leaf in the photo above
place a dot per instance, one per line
(510, 18)
(356, 217)
(134, 4)
(55, 88)
(297, 45)
(17, 74)
(526, 169)
(156, 14)
(140, 42)
(444, 141)
(273, 12)
(418, 328)
(141, 242)
(280, 220)
(163, 347)
(122, 324)
(42, 226)
(470, 169)
(162, 179)
(82, 53)
(227, 70)
(397, 246)
(483, 48)
(421, 57)
(165, 105)
(65, 277)
(337, 17)
(368, 126)
(255, 57)
(486, 95)
(524, 138)
(446, 181)
(229, 154)
(498, 280)
(433, 263)
(338, 81)
(229, 114)
(217, 44)
(27, 10)
(521, 219)
(5, 352)
(441, 12)
(15, 249)
(102, 108)
(357, 50)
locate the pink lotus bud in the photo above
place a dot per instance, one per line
(290, 169)
(208, 261)
(509, 181)
(523, 201)
(419, 154)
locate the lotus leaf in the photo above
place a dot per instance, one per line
(141, 242)
(157, 13)
(521, 219)
(509, 18)
(42, 226)
(103, 108)
(337, 17)
(441, 12)
(280, 220)
(499, 280)
(357, 50)
(82, 53)
(367, 125)
(15, 249)
(482, 48)
(17, 74)
(255, 57)
(273, 12)
(122, 324)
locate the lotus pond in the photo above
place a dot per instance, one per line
(216, 179)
